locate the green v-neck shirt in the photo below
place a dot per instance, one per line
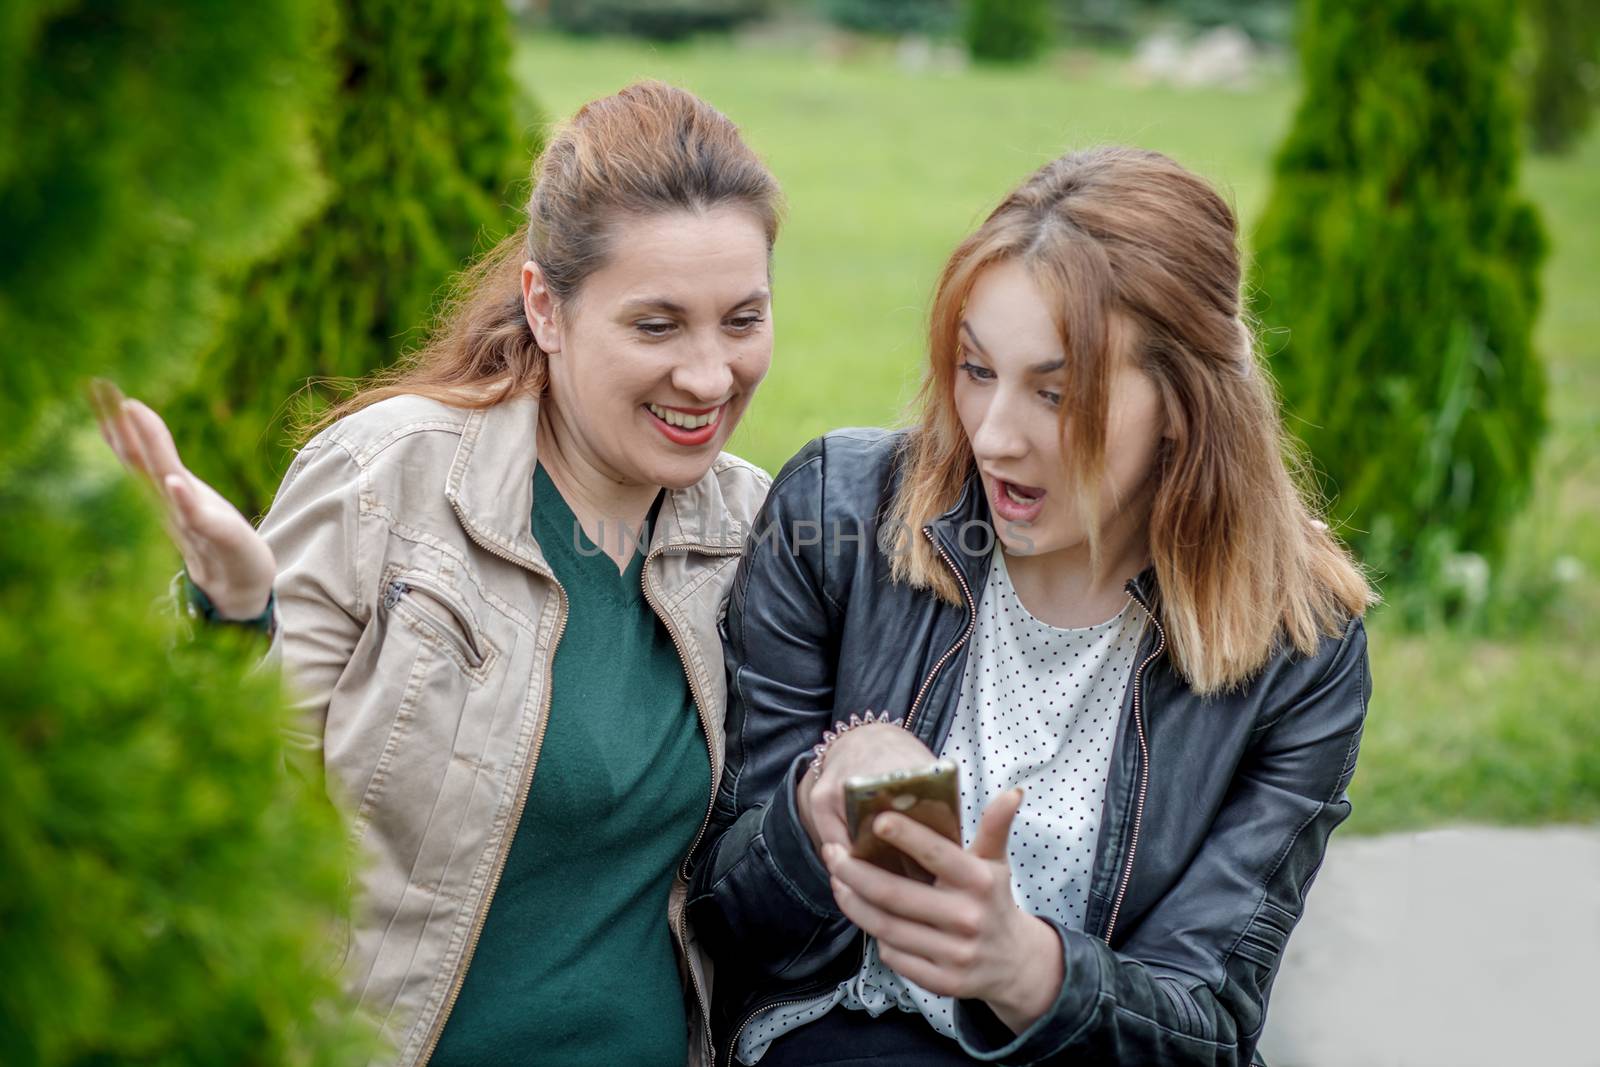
(575, 965)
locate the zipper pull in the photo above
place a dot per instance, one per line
(392, 595)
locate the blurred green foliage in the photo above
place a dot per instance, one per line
(426, 147)
(1397, 280)
(144, 148)
(928, 17)
(660, 20)
(171, 895)
(1007, 31)
(1105, 21)
(1265, 20)
(1564, 83)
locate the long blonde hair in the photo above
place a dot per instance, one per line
(646, 149)
(1118, 235)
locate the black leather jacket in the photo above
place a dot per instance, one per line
(1217, 811)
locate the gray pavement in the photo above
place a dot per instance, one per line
(1449, 948)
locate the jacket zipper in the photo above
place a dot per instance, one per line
(522, 794)
(909, 720)
(911, 715)
(465, 642)
(1138, 720)
(1144, 765)
(733, 1042)
(908, 723)
(972, 621)
(700, 999)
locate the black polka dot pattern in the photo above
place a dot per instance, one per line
(1039, 708)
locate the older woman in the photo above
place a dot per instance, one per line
(495, 579)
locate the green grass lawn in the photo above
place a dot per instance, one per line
(886, 170)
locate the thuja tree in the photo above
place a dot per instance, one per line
(1564, 82)
(174, 876)
(424, 144)
(1397, 276)
(171, 891)
(143, 148)
(1007, 31)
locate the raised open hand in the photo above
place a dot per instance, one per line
(226, 557)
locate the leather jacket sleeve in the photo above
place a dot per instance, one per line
(781, 662)
(1190, 983)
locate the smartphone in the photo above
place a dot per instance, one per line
(931, 795)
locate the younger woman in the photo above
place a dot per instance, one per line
(1087, 576)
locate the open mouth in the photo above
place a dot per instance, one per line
(1021, 494)
(682, 419)
(686, 426)
(1015, 502)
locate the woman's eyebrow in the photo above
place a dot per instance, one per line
(654, 303)
(1047, 367)
(672, 307)
(757, 297)
(972, 335)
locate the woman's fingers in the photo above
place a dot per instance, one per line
(223, 552)
(148, 440)
(890, 929)
(919, 969)
(196, 548)
(939, 856)
(154, 454)
(827, 815)
(108, 436)
(994, 826)
(125, 435)
(154, 441)
(106, 401)
(186, 513)
(893, 892)
(831, 828)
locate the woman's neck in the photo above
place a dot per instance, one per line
(1064, 589)
(609, 509)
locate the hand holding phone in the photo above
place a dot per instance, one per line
(870, 749)
(930, 795)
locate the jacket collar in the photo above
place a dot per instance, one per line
(490, 485)
(967, 534)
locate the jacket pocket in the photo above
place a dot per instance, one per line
(437, 615)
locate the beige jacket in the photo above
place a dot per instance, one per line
(418, 620)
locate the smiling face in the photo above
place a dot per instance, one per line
(654, 361)
(1008, 387)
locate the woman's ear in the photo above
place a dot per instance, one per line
(539, 307)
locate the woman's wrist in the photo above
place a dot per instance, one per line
(830, 737)
(803, 789)
(1035, 983)
(229, 610)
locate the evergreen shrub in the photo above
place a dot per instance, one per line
(1397, 278)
